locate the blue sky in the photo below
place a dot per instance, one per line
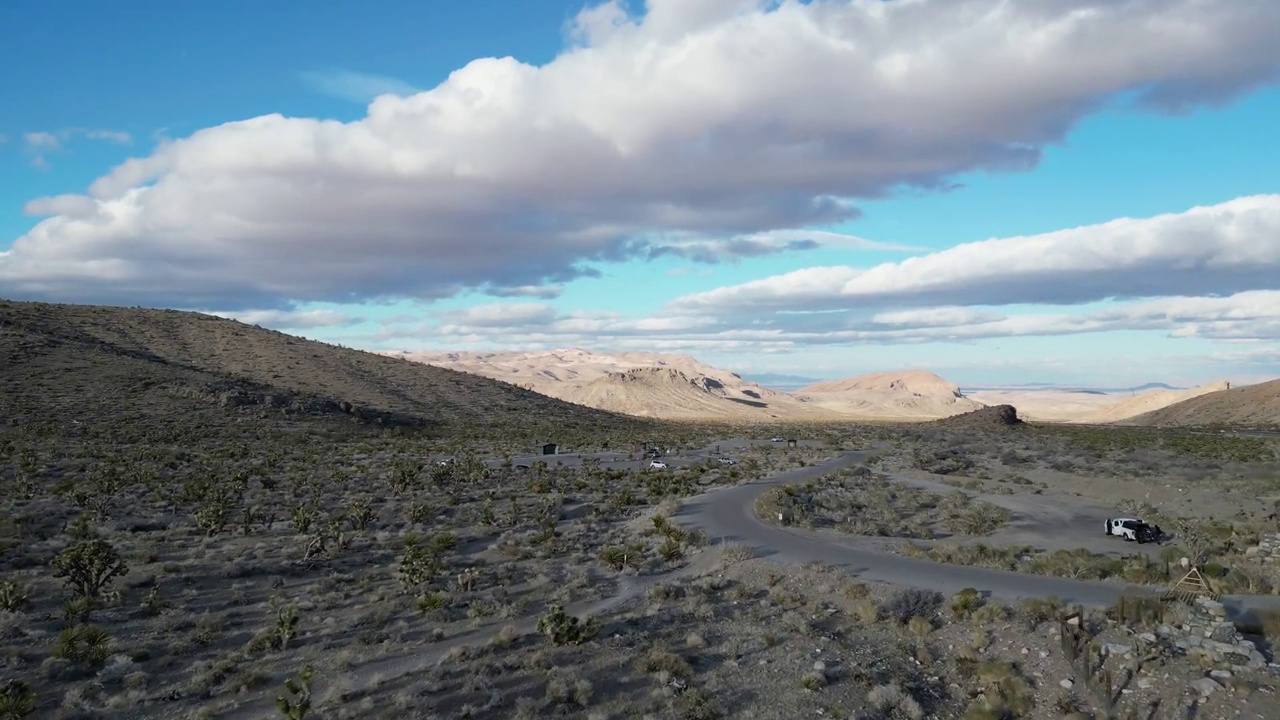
(998, 194)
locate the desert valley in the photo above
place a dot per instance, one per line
(207, 519)
(678, 387)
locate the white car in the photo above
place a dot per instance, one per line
(727, 461)
(657, 465)
(777, 438)
(1133, 530)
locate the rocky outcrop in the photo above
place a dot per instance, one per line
(1267, 550)
(994, 416)
(1208, 634)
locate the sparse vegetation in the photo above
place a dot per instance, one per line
(191, 521)
(859, 502)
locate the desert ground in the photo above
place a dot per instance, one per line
(188, 538)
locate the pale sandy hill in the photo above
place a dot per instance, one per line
(668, 386)
(1048, 405)
(905, 395)
(1247, 406)
(671, 394)
(655, 385)
(1148, 401)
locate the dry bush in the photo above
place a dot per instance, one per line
(910, 603)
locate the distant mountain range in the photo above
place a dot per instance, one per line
(667, 386)
(1032, 387)
(779, 381)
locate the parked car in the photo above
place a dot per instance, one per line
(1133, 530)
(657, 465)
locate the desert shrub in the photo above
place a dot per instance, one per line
(892, 701)
(89, 567)
(1005, 692)
(965, 602)
(734, 553)
(658, 661)
(698, 704)
(13, 597)
(620, 558)
(911, 602)
(1036, 611)
(920, 626)
(83, 644)
(979, 518)
(17, 700)
(296, 702)
(565, 629)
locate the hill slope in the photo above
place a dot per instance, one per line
(86, 363)
(1249, 406)
(1089, 406)
(912, 394)
(1150, 401)
(680, 387)
(1048, 405)
(653, 385)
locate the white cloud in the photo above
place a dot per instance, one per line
(936, 317)
(1249, 316)
(1223, 248)
(291, 319)
(42, 141)
(711, 249)
(707, 118)
(498, 316)
(72, 206)
(115, 136)
(546, 292)
(357, 87)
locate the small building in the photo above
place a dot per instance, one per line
(550, 449)
(791, 443)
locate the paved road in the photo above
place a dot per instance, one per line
(728, 514)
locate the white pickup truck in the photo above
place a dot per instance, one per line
(1133, 530)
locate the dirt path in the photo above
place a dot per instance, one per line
(727, 515)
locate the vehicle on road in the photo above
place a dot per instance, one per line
(777, 438)
(726, 461)
(1133, 530)
(657, 465)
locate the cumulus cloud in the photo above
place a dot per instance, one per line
(1224, 248)
(1252, 316)
(355, 86)
(291, 319)
(707, 118)
(546, 292)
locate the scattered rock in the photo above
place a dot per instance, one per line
(1205, 686)
(1066, 684)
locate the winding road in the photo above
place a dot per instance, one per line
(727, 514)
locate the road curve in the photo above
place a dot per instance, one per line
(728, 515)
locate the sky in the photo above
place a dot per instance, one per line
(1050, 191)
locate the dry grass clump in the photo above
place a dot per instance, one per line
(894, 704)
(1081, 563)
(858, 502)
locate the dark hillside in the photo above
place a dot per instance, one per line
(72, 364)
